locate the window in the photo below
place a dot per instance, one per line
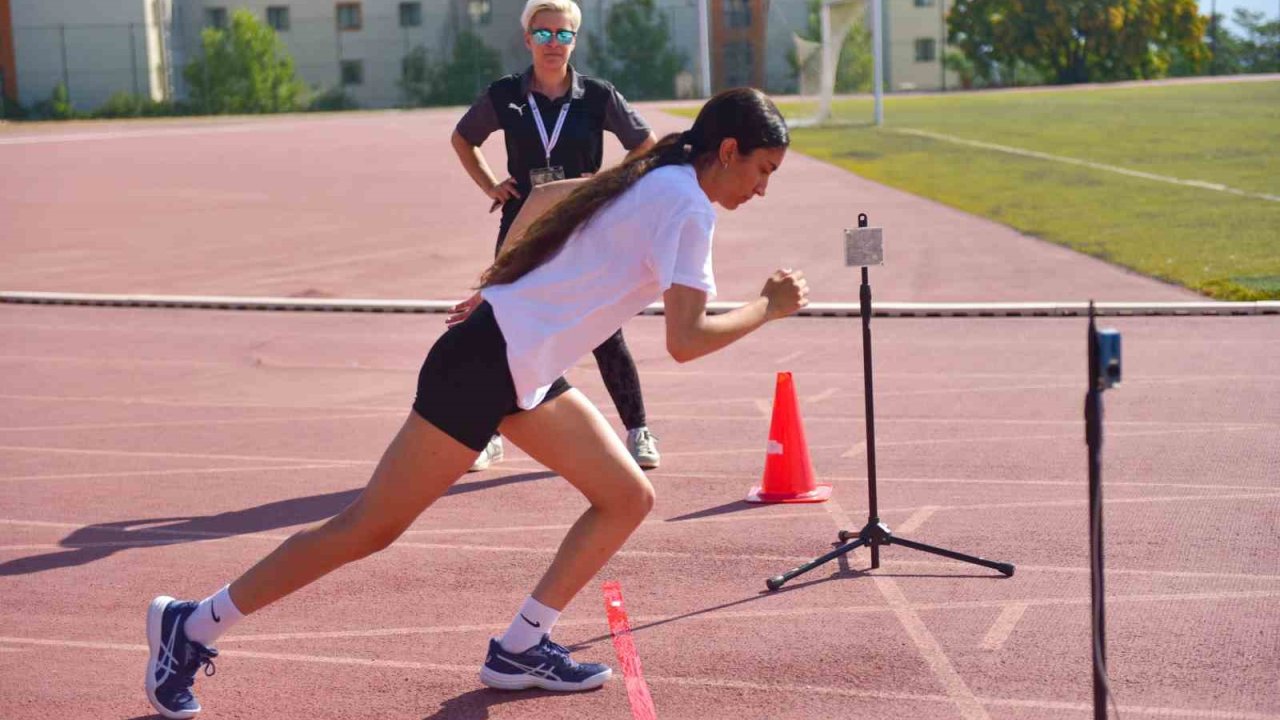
(410, 14)
(278, 17)
(926, 50)
(737, 13)
(481, 11)
(352, 72)
(215, 17)
(349, 16)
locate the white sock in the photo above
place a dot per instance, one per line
(528, 626)
(214, 616)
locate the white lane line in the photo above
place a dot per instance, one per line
(198, 423)
(764, 615)
(328, 659)
(206, 536)
(954, 686)
(1003, 626)
(671, 474)
(741, 685)
(1200, 184)
(824, 395)
(917, 518)
(198, 456)
(166, 402)
(657, 524)
(264, 125)
(176, 471)
(789, 357)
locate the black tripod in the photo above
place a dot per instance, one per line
(875, 533)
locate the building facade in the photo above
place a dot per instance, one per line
(915, 33)
(140, 47)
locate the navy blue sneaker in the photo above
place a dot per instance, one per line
(171, 669)
(545, 665)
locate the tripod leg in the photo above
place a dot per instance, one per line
(1005, 569)
(776, 582)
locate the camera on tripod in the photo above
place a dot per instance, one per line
(1108, 359)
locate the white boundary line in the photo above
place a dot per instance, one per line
(691, 682)
(1200, 184)
(882, 309)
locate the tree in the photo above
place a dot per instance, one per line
(245, 68)
(636, 54)
(1073, 41)
(1259, 49)
(471, 66)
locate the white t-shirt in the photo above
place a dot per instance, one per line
(654, 235)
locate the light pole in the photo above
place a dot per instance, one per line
(704, 46)
(1213, 37)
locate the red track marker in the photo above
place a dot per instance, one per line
(623, 644)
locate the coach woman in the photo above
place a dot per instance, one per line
(553, 121)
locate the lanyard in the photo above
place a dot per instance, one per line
(548, 145)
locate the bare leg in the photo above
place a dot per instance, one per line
(416, 469)
(570, 437)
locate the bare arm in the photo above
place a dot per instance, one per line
(478, 168)
(691, 333)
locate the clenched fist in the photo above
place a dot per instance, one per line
(787, 291)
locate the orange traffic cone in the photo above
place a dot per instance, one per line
(788, 474)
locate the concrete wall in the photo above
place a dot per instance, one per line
(97, 48)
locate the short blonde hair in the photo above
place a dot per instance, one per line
(568, 7)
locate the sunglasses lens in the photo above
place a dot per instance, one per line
(542, 37)
(565, 37)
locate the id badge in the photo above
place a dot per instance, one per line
(541, 176)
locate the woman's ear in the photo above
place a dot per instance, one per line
(728, 151)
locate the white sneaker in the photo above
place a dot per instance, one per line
(643, 446)
(491, 454)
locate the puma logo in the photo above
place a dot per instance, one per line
(517, 108)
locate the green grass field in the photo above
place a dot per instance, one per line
(1221, 244)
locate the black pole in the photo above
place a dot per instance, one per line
(1093, 438)
(875, 533)
(864, 307)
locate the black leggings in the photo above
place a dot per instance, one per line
(617, 367)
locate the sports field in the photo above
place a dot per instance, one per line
(1182, 182)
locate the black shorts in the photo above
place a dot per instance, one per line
(465, 387)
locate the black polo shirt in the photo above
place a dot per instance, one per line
(596, 106)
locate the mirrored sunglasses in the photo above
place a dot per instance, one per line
(542, 36)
